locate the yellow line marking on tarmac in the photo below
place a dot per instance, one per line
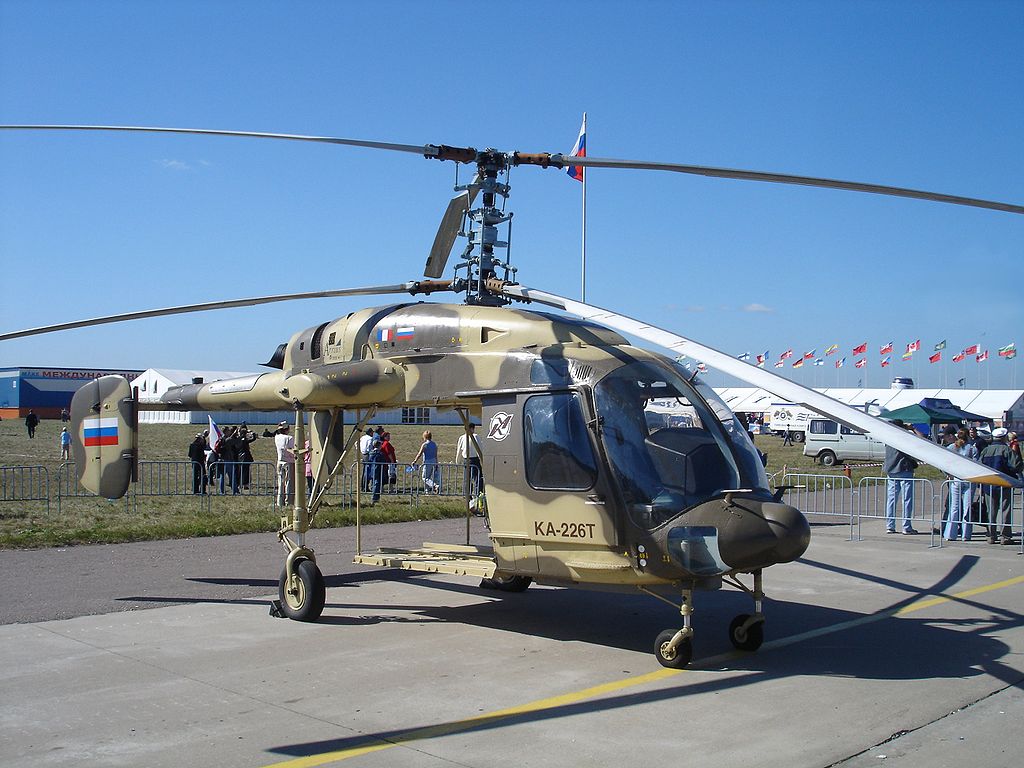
(457, 726)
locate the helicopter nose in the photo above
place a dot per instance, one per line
(791, 529)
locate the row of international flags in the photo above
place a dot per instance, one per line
(886, 351)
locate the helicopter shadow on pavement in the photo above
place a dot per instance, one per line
(875, 645)
(848, 644)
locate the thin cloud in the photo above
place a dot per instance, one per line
(757, 308)
(175, 165)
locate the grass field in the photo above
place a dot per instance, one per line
(86, 519)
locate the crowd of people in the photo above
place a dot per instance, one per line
(968, 504)
(226, 464)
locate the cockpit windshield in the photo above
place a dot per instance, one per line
(671, 443)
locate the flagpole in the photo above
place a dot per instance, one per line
(583, 248)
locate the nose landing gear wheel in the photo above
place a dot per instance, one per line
(667, 657)
(304, 600)
(746, 638)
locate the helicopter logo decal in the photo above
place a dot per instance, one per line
(500, 427)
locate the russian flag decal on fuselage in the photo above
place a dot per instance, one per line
(98, 431)
(404, 334)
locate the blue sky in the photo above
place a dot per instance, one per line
(922, 95)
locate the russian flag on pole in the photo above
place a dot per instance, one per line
(579, 149)
(99, 431)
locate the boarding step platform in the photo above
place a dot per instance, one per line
(458, 559)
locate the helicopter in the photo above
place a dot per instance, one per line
(581, 490)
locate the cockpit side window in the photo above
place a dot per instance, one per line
(559, 455)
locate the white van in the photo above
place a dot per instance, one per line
(830, 443)
(783, 416)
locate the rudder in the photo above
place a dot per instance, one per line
(104, 426)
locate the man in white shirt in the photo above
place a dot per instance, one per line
(468, 451)
(365, 445)
(285, 445)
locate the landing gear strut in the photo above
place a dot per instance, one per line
(674, 648)
(746, 631)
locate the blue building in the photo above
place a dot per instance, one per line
(45, 390)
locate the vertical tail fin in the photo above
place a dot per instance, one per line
(104, 427)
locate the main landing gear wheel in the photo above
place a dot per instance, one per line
(507, 583)
(676, 658)
(304, 599)
(746, 638)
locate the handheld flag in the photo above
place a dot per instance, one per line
(215, 433)
(579, 149)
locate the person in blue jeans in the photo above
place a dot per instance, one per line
(431, 471)
(899, 469)
(959, 521)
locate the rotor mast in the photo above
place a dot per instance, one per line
(481, 258)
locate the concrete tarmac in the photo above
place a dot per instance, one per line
(163, 654)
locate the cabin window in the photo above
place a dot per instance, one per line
(823, 427)
(559, 456)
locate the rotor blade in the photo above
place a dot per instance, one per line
(428, 150)
(448, 230)
(907, 442)
(413, 287)
(782, 178)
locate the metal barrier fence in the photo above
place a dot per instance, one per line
(821, 495)
(835, 496)
(25, 484)
(873, 501)
(435, 480)
(828, 495)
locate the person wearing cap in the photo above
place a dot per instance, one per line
(999, 457)
(197, 455)
(899, 469)
(285, 445)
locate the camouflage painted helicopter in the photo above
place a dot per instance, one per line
(581, 490)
